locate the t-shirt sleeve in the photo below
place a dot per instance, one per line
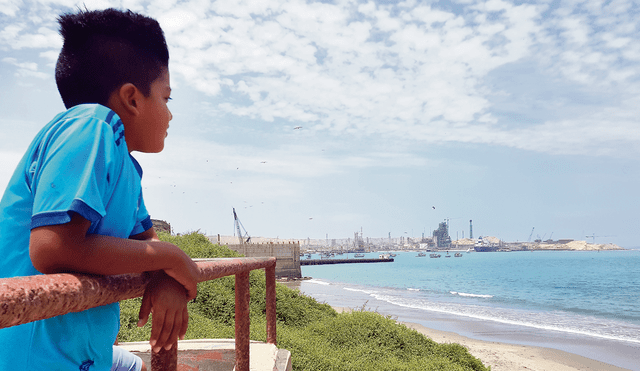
(143, 222)
(73, 171)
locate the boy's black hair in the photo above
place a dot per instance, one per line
(105, 49)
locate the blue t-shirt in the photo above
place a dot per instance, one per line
(79, 162)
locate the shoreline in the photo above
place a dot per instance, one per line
(502, 346)
(512, 357)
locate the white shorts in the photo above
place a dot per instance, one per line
(123, 360)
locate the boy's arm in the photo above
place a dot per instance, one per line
(68, 248)
(148, 235)
(165, 297)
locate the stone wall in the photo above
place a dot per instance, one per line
(161, 225)
(287, 255)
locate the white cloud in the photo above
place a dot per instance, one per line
(576, 31)
(191, 159)
(21, 36)
(317, 64)
(51, 56)
(9, 7)
(26, 69)
(382, 86)
(593, 41)
(407, 70)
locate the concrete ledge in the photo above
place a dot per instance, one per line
(344, 261)
(283, 361)
(218, 355)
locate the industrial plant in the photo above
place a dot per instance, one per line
(289, 251)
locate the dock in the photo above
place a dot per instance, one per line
(344, 261)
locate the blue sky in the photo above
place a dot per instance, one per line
(513, 114)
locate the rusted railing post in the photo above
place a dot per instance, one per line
(270, 277)
(242, 321)
(165, 360)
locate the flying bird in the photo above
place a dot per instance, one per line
(433, 207)
(297, 127)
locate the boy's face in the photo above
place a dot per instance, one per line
(150, 129)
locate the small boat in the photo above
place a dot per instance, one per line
(458, 255)
(392, 255)
(420, 255)
(359, 255)
(326, 255)
(383, 256)
(434, 255)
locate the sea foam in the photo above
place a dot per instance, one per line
(318, 282)
(470, 295)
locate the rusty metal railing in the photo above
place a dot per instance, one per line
(32, 298)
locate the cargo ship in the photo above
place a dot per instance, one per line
(485, 248)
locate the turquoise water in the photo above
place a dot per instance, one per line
(592, 294)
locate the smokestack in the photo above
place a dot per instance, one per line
(471, 229)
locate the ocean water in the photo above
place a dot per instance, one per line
(574, 297)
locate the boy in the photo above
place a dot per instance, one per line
(74, 203)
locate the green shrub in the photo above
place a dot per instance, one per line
(197, 245)
(369, 341)
(318, 337)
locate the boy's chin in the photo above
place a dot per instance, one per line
(152, 149)
(157, 150)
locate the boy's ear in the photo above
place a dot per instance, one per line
(127, 99)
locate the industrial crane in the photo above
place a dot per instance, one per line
(531, 234)
(241, 238)
(593, 237)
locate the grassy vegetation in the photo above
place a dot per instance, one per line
(318, 337)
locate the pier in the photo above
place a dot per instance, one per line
(344, 261)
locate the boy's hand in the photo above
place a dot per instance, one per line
(167, 300)
(184, 270)
(187, 275)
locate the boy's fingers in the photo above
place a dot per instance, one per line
(185, 322)
(165, 328)
(156, 330)
(175, 331)
(192, 292)
(145, 309)
(191, 289)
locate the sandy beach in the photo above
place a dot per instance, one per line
(510, 357)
